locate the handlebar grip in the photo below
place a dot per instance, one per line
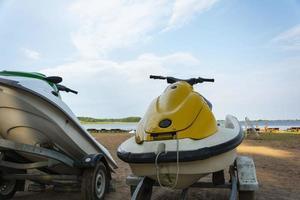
(208, 80)
(73, 91)
(65, 89)
(157, 77)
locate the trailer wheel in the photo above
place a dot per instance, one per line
(95, 182)
(246, 195)
(7, 189)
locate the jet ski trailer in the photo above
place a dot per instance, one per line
(42, 141)
(242, 183)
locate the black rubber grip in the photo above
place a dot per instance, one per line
(209, 80)
(73, 91)
(157, 77)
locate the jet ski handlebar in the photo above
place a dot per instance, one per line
(65, 89)
(191, 81)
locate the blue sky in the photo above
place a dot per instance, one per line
(107, 49)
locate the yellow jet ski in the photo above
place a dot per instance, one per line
(179, 141)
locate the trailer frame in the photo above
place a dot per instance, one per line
(13, 174)
(242, 184)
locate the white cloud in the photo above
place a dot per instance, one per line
(290, 39)
(115, 89)
(31, 54)
(109, 88)
(108, 25)
(184, 10)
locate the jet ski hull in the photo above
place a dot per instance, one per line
(189, 172)
(196, 158)
(36, 117)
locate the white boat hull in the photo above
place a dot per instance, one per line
(35, 120)
(189, 172)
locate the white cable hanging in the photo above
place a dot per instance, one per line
(177, 164)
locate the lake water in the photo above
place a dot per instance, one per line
(109, 126)
(283, 125)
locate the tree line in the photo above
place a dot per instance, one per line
(126, 119)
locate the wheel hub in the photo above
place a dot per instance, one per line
(7, 187)
(100, 184)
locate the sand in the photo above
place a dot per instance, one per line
(277, 164)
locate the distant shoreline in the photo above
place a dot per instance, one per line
(106, 122)
(90, 120)
(128, 120)
(271, 120)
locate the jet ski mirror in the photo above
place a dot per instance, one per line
(54, 79)
(191, 81)
(65, 89)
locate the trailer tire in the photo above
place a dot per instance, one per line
(8, 189)
(246, 195)
(95, 182)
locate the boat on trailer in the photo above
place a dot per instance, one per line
(39, 131)
(179, 141)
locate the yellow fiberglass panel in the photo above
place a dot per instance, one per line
(179, 103)
(205, 125)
